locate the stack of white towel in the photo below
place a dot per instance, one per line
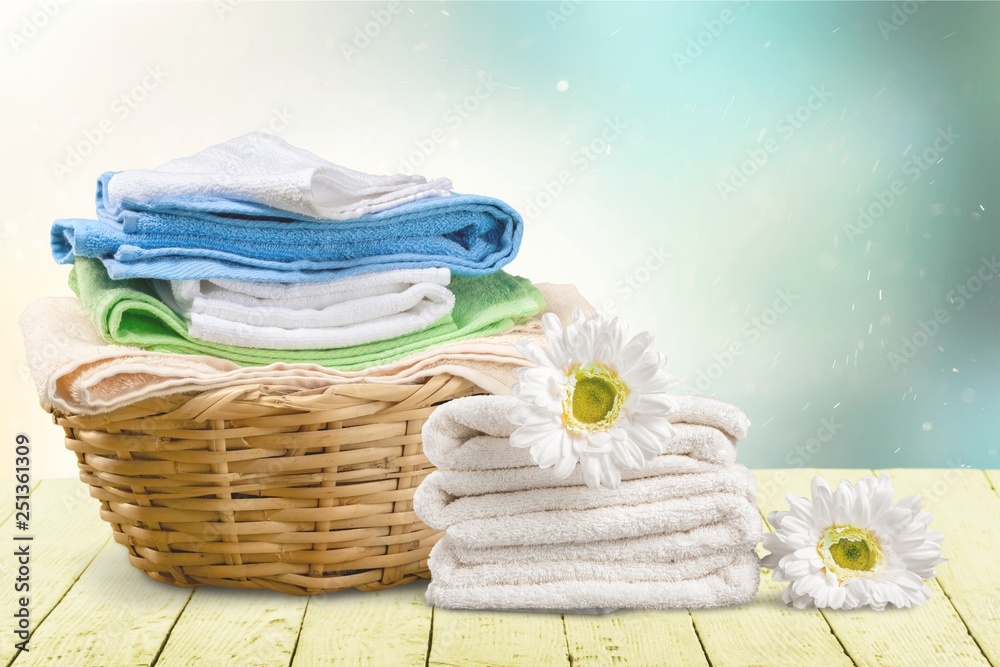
(680, 533)
(296, 316)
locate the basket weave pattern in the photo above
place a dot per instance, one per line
(270, 487)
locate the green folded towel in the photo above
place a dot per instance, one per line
(126, 312)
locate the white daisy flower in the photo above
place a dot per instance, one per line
(592, 399)
(852, 547)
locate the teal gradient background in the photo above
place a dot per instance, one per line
(697, 168)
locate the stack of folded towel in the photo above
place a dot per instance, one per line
(258, 252)
(76, 371)
(679, 533)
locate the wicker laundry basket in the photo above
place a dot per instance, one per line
(271, 487)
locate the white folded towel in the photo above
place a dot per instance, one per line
(733, 533)
(449, 565)
(478, 482)
(438, 507)
(301, 316)
(471, 433)
(381, 291)
(732, 584)
(601, 523)
(265, 169)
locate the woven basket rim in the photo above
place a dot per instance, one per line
(249, 392)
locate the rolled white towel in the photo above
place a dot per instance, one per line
(727, 535)
(311, 303)
(735, 582)
(502, 480)
(445, 560)
(603, 523)
(472, 433)
(297, 316)
(511, 493)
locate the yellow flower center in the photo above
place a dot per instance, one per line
(849, 552)
(595, 400)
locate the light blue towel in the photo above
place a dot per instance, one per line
(203, 238)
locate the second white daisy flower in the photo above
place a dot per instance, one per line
(852, 547)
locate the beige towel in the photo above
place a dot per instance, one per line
(77, 372)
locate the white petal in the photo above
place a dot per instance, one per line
(775, 518)
(645, 370)
(650, 444)
(770, 561)
(553, 331)
(658, 426)
(525, 436)
(551, 324)
(545, 452)
(565, 467)
(591, 467)
(800, 508)
(794, 524)
(911, 503)
(822, 500)
(838, 595)
(862, 509)
(608, 341)
(533, 353)
(617, 332)
(795, 567)
(634, 350)
(628, 455)
(661, 382)
(659, 405)
(843, 500)
(611, 475)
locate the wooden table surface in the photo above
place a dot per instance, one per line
(90, 607)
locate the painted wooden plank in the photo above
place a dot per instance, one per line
(748, 634)
(908, 636)
(114, 615)
(931, 634)
(639, 638)
(356, 628)
(235, 627)
(494, 639)
(967, 509)
(994, 477)
(7, 489)
(767, 632)
(67, 533)
(7, 506)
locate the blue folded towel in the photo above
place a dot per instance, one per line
(204, 238)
